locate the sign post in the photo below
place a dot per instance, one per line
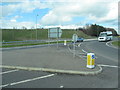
(74, 39)
(54, 33)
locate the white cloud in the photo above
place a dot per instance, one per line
(80, 1)
(62, 11)
(12, 20)
(98, 10)
(111, 15)
(64, 26)
(6, 1)
(13, 23)
(53, 19)
(23, 7)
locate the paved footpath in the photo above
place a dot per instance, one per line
(49, 58)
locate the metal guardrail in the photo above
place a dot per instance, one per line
(34, 41)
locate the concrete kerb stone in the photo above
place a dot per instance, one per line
(55, 70)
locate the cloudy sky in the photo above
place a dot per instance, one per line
(63, 13)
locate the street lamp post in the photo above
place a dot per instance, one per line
(36, 26)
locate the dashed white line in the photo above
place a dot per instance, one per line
(87, 52)
(79, 45)
(108, 66)
(28, 80)
(84, 51)
(111, 45)
(8, 71)
(61, 86)
(4, 85)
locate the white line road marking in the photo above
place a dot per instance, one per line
(28, 80)
(8, 71)
(111, 45)
(61, 86)
(87, 52)
(107, 44)
(79, 45)
(84, 51)
(108, 66)
(4, 85)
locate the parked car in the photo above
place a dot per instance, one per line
(79, 39)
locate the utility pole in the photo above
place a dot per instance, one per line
(36, 26)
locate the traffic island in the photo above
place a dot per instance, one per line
(49, 59)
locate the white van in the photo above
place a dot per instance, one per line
(105, 36)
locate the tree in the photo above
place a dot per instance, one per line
(24, 27)
(94, 30)
(113, 31)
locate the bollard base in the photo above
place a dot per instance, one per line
(90, 66)
(65, 42)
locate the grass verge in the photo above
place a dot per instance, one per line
(116, 43)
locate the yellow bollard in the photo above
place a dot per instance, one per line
(65, 42)
(90, 60)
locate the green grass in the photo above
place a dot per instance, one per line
(30, 34)
(21, 35)
(69, 33)
(116, 43)
(0, 35)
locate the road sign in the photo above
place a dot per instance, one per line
(74, 37)
(54, 32)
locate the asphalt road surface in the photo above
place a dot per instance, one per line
(107, 57)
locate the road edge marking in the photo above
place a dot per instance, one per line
(84, 51)
(1, 86)
(102, 65)
(33, 79)
(107, 44)
(27, 80)
(8, 72)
